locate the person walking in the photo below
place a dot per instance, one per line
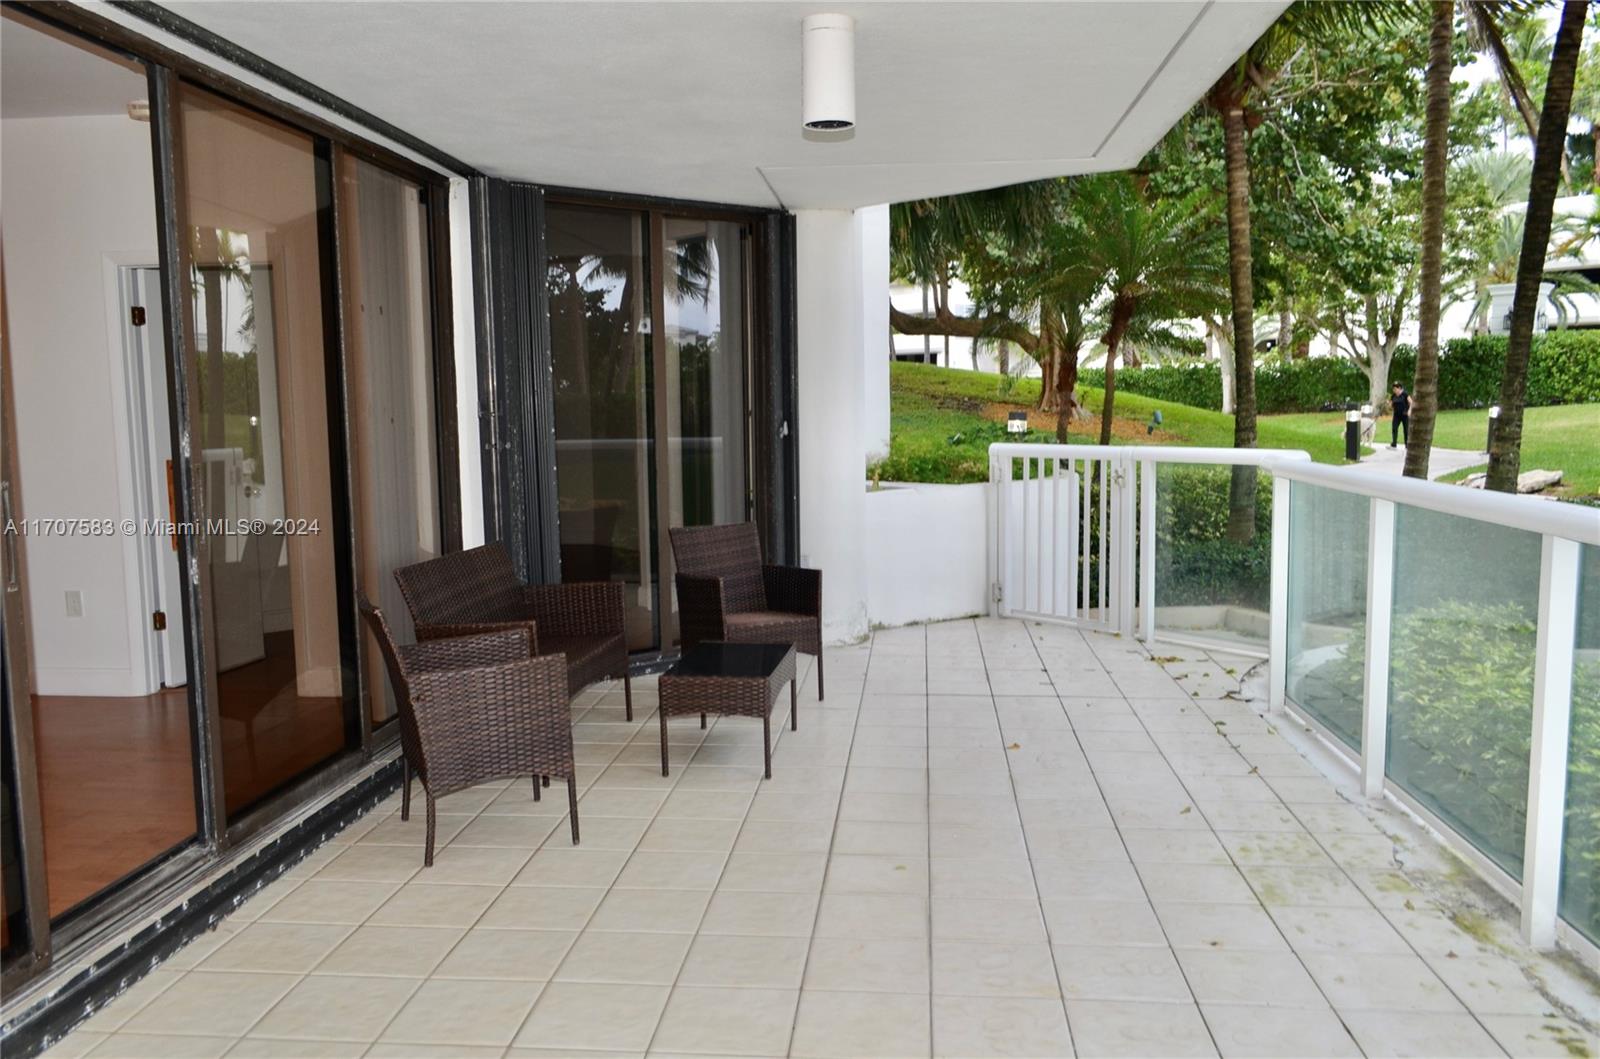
(1401, 423)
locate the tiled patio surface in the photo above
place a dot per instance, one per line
(994, 838)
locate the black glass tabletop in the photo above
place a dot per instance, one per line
(730, 660)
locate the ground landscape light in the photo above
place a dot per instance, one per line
(828, 72)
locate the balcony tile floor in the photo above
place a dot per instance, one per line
(993, 838)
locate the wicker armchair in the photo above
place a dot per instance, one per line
(475, 709)
(726, 593)
(476, 591)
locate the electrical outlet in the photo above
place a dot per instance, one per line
(74, 603)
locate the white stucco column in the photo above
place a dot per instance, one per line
(874, 222)
(832, 412)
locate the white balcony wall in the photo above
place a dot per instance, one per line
(832, 412)
(925, 552)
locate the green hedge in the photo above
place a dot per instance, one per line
(1565, 369)
(1196, 564)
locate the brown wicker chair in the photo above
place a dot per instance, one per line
(477, 591)
(726, 593)
(475, 709)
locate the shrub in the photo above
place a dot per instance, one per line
(1564, 369)
(1195, 562)
(1460, 733)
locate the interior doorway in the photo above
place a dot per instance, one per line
(150, 445)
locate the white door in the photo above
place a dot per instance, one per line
(152, 447)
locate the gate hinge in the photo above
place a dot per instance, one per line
(999, 592)
(137, 315)
(158, 621)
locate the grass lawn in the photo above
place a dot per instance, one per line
(1562, 438)
(943, 421)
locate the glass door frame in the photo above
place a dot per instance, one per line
(76, 932)
(653, 214)
(35, 954)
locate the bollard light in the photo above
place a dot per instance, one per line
(1494, 417)
(1352, 435)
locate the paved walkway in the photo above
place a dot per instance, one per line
(994, 838)
(1440, 461)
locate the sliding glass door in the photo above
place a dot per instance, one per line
(258, 193)
(226, 401)
(649, 334)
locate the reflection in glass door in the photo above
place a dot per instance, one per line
(257, 191)
(102, 751)
(600, 345)
(706, 344)
(649, 338)
(389, 337)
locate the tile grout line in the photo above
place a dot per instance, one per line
(833, 835)
(1132, 863)
(1345, 874)
(555, 828)
(1231, 860)
(611, 886)
(307, 976)
(1027, 847)
(732, 849)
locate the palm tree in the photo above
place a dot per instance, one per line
(1505, 454)
(1162, 260)
(1504, 174)
(1430, 279)
(1231, 98)
(932, 241)
(1505, 255)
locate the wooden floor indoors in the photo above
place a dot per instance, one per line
(116, 775)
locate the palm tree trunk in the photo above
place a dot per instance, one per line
(1047, 373)
(1505, 456)
(1121, 316)
(1242, 490)
(1435, 158)
(1066, 382)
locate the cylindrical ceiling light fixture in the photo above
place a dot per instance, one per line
(828, 72)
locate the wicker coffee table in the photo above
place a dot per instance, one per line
(730, 680)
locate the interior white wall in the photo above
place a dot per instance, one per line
(832, 414)
(73, 192)
(874, 223)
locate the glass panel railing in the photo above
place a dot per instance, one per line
(1213, 571)
(1580, 862)
(1466, 596)
(1327, 606)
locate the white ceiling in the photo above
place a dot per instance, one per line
(42, 76)
(702, 100)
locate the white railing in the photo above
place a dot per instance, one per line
(1074, 537)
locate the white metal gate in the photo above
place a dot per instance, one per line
(1063, 535)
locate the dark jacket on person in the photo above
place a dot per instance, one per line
(1402, 404)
